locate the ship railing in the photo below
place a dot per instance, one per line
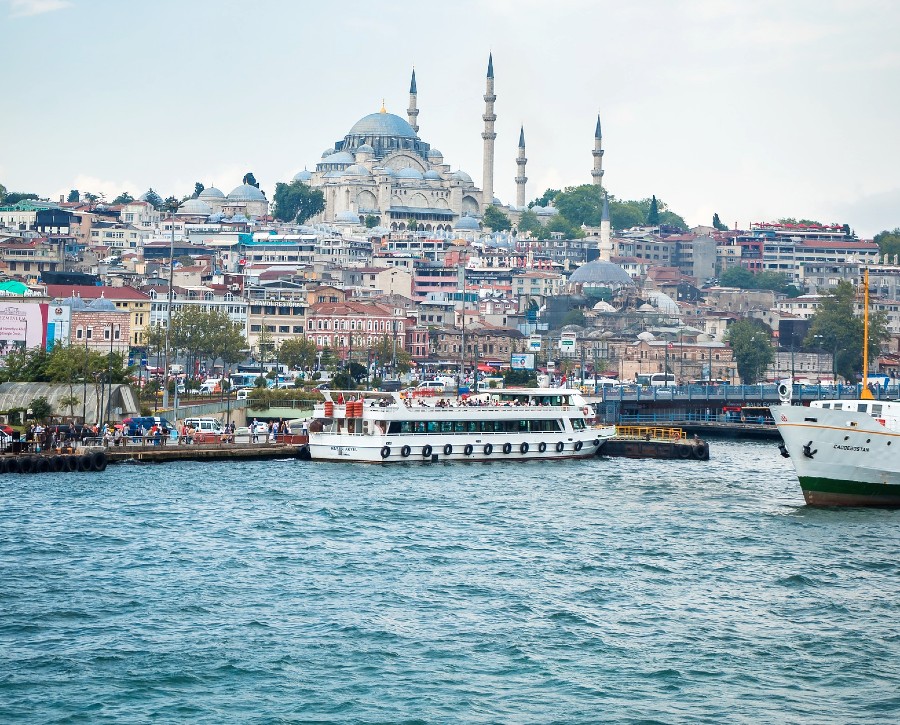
(649, 433)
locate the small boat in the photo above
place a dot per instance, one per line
(845, 452)
(521, 424)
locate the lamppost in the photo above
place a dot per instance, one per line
(169, 312)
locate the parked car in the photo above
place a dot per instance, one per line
(133, 426)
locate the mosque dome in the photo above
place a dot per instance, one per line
(462, 176)
(246, 192)
(497, 202)
(197, 207)
(346, 217)
(435, 154)
(211, 193)
(334, 174)
(432, 175)
(467, 223)
(303, 175)
(101, 304)
(365, 149)
(357, 170)
(382, 124)
(327, 152)
(600, 273)
(408, 173)
(341, 157)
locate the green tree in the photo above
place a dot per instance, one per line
(123, 198)
(545, 199)
(14, 197)
(73, 196)
(717, 224)
(529, 222)
(561, 225)
(170, 204)
(625, 214)
(198, 189)
(751, 341)
(154, 199)
(580, 205)
(837, 329)
(371, 221)
(573, 317)
(297, 202)
(496, 220)
(383, 354)
(250, 179)
(653, 212)
(2, 194)
(888, 242)
(739, 277)
(298, 353)
(40, 408)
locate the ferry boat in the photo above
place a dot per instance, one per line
(845, 452)
(520, 424)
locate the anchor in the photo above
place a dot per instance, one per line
(783, 450)
(807, 450)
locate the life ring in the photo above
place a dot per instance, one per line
(84, 463)
(386, 451)
(468, 449)
(507, 447)
(426, 451)
(448, 449)
(542, 447)
(578, 445)
(560, 446)
(523, 449)
(701, 451)
(405, 451)
(98, 461)
(488, 449)
(684, 451)
(57, 464)
(71, 463)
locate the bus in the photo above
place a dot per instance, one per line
(655, 380)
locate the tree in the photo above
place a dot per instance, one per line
(383, 354)
(297, 202)
(371, 221)
(717, 224)
(848, 232)
(545, 199)
(250, 179)
(154, 199)
(751, 341)
(123, 198)
(2, 194)
(837, 329)
(888, 242)
(573, 317)
(653, 213)
(170, 204)
(73, 196)
(580, 205)
(529, 222)
(14, 197)
(198, 189)
(298, 353)
(496, 219)
(40, 408)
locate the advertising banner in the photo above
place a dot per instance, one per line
(522, 361)
(534, 343)
(22, 326)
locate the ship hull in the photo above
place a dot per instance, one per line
(842, 457)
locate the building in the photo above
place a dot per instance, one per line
(127, 299)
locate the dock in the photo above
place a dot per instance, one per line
(204, 452)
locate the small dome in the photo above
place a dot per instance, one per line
(497, 202)
(197, 207)
(365, 149)
(467, 223)
(303, 175)
(461, 176)
(211, 193)
(327, 152)
(382, 124)
(434, 154)
(389, 172)
(432, 175)
(246, 192)
(101, 304)
(408, 173)
(335, 174)
(357, 170)
(76, 303)
(341, 157)
(601, 273)
(346, 217)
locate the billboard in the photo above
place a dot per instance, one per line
(22, 325)
(522, 361)
(534, 343)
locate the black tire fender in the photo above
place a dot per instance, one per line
(405, 451)
(523, 449)
(385, 451)
(448, 449)
(98, 461)
(488, 449)
(468, 449)
(542, 447)
(426, 451)
(84, 463)
(578, 445)
(560, 446)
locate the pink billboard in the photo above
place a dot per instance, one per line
(22, 325)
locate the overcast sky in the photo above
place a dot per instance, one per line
(755, 110)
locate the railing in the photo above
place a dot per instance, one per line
(763, 392)
(648, 433)
(679, 417)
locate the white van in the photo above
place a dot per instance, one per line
(210, 386)
(204, 425)
(433, 387)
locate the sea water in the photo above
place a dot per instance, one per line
(607, 590)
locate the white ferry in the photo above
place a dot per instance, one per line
(508, 424)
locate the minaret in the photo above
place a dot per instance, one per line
(597, 173)
(488, 135)
(521, 179)
(412, 112)
(605, 235)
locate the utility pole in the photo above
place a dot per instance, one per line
(169, 313)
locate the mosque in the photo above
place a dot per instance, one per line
(383, 169)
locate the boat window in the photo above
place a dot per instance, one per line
(460, 426)
(837, 406)
(826, 405)
(523, 426)
(876, 409)
(577, 423)
(861, 407)
(431, 427)
(420, 426)
(473, 426)
(397, 427)
(447, 426)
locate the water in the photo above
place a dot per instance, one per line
(597, 591)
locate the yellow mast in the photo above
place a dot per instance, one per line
(866, 394)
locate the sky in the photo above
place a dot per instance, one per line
(752, 110)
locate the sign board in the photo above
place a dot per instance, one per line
(534, 343)
(567, 343)
(521, 361)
